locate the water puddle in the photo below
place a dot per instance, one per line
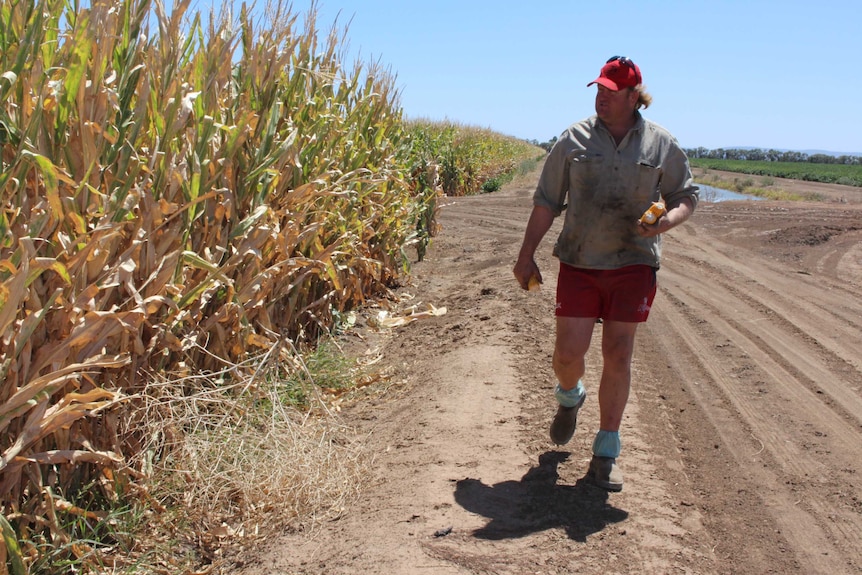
(713, 194)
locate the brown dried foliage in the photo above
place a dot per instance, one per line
(177, 196)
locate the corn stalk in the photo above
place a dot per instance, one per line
(177, 194)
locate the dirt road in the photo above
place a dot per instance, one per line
(742, 441)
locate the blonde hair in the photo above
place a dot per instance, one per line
(644, 99)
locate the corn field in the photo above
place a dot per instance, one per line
(466, 157)
(179, 193)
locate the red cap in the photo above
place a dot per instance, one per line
(618, 73)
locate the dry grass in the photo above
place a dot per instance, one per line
(238, 461)
(243, 449)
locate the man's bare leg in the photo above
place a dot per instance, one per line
(573, 341)
(617, 350)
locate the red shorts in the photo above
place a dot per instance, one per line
(624, 294)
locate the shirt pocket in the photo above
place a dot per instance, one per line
(586, 174)
(647, 182)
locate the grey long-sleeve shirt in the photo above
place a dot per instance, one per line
(604, 189)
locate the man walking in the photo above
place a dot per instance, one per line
(605, 172)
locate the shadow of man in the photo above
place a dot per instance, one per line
(536, 503)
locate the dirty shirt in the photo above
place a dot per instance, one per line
(604, 188)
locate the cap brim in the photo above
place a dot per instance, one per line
(606, 82)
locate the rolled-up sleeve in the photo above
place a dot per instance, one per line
(553, 183)
(677, 182)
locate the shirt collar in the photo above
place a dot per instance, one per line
(637, 127)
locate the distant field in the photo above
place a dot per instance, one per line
(824, 173)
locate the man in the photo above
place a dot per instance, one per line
(605, 172)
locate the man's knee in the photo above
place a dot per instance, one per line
(618, 348)
(568, 356)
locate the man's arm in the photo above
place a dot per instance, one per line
(538, 225)
(676, 214)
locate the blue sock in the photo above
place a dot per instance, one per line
(571, 397)
(607, 444)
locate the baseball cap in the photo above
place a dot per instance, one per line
(619, 72)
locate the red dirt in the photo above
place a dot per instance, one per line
(742, 441)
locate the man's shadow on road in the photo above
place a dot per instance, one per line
(536, 503)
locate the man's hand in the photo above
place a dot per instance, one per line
(650, 230)
(525, 270)
(675, 215)
(540, 222)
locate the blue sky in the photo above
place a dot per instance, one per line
(785, 75)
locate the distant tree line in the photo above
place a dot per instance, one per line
(546, 145)
(757, 154)
(753, 154)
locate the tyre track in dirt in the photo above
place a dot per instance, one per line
(792, 344)
(780, 371)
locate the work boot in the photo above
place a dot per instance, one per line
(604, 473)
(565, 421)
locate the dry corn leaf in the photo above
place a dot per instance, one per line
(411, 314)
(45, 420)
(46, 385)
(258, 340)
(58, 456)
(67, 507)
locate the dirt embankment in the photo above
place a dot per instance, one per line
(742, 441)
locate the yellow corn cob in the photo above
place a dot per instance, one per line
(655, 211)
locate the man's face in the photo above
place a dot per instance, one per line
(615, 107)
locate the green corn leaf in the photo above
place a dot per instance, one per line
(76, 71)
(242, 228)
(50, 180)
(40, 265)
(13, 550)
(6, 238)
(195, 260)
(7, 80)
